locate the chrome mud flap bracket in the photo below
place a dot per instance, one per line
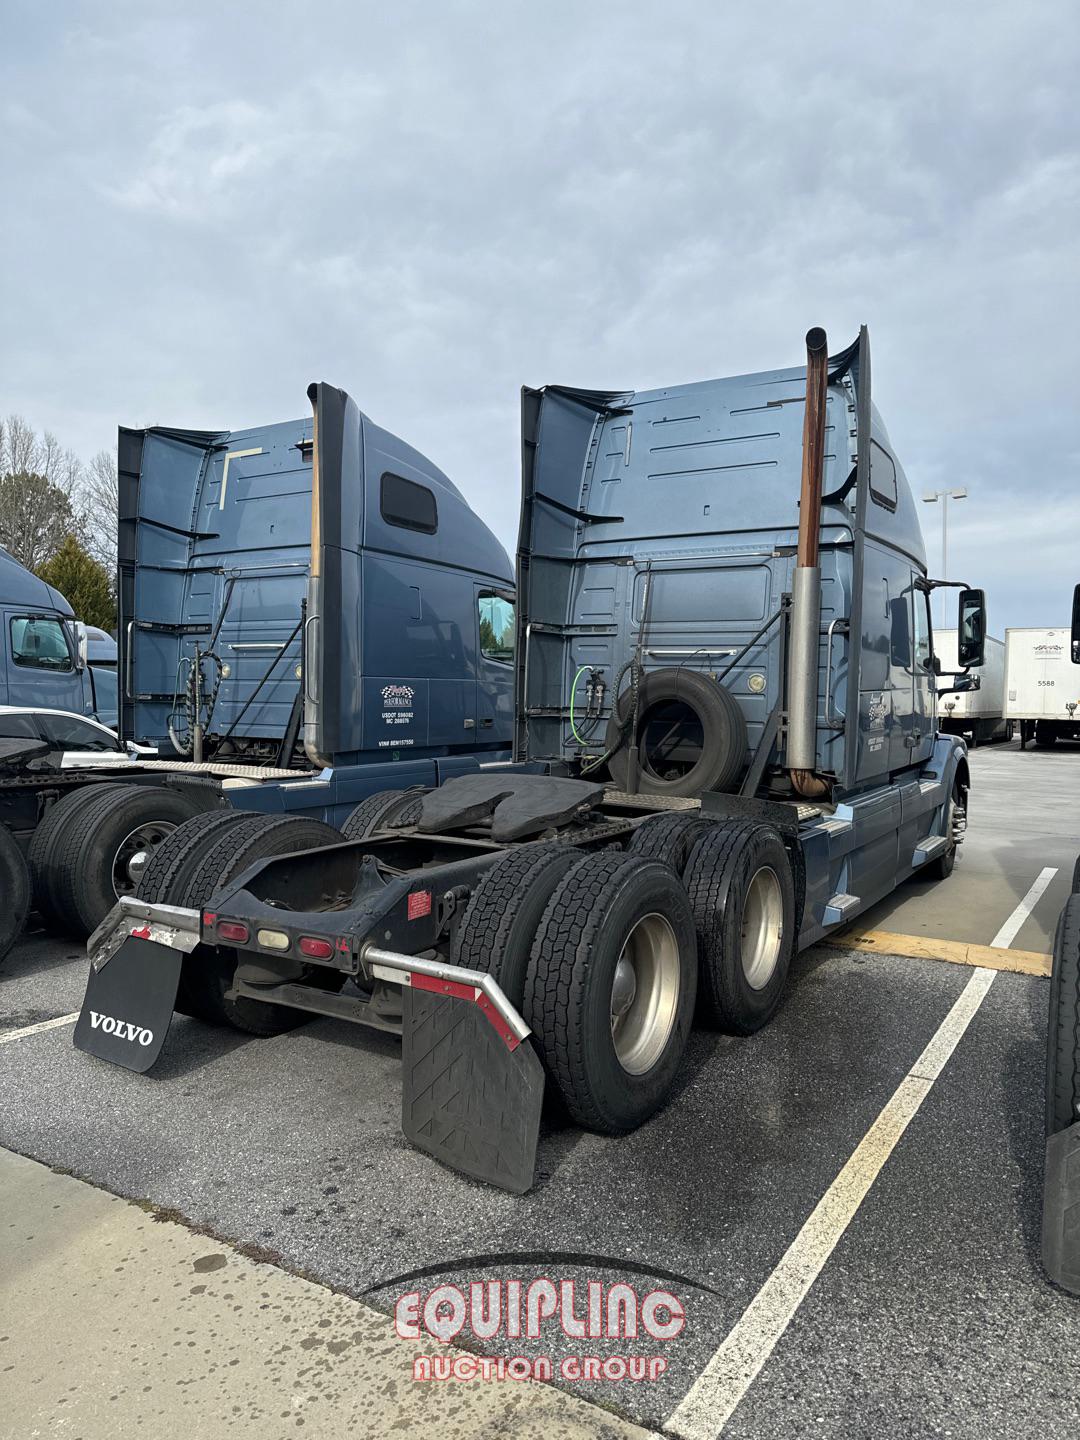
(1061, 1209)
(136, 955)
(472, 1086)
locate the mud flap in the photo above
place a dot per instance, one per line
(1061, 1209)
(129, 1002)
(467, 1097)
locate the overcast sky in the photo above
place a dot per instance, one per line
(206, 206)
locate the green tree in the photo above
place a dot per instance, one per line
(35, 515)
(83, 582)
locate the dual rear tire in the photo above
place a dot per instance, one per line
(606, 954)
(197, 860)
(92, 847)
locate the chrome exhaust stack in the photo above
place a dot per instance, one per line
(805, 643)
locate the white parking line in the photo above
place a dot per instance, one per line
(8, 1036)
(1009, 931)
(708, 1404)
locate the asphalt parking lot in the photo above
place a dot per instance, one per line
(929, 1313)
(1022, 818)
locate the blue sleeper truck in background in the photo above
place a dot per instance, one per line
(47, 658)
(309, 613)
(725, 748)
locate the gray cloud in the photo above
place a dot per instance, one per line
(432, 204)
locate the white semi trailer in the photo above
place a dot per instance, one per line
(978, 715)
(1042, 687)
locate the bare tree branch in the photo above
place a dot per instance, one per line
(98, 501)
(38, 484)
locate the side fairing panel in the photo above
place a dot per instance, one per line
(213, 551)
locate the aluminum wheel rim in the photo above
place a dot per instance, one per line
(762, 927)
(133, 852)
(645, 994)
(955, 823)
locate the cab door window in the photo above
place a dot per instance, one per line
(40, 643)
(496, 628)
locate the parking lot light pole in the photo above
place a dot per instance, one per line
(931, 497)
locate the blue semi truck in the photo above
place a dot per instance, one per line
(725, 748)
(308, 612)
(47, 658)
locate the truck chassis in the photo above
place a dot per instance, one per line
(370, 931)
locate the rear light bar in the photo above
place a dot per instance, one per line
(232, 930)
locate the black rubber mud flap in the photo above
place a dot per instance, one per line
(466, 1097)
(1061, 1209)
(128, 1005)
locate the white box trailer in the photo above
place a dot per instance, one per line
(979, 715)
(1042, 685)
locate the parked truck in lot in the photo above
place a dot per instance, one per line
(978, 714)
(47, 658)
(269, 682)
(1042, 691)
(725, 748)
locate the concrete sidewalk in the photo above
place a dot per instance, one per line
(114, 1323)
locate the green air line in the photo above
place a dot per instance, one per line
(573, 688)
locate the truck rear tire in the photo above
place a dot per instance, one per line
(713, 730)
(743, 898)
(97, 857)
(52, 826)
(496, 932)
(1063, 1029)
(208, 971)
(167, 876)
(169, 868)
(15, 890)
(670, 838)
(611, 987)
(1045, 734)
(385, 807)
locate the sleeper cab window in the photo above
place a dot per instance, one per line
(40, 643)
(882, 477)
(496, 628)
(408, 505)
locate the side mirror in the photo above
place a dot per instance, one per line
(1075, 647)
(82, 645)
(971, 629)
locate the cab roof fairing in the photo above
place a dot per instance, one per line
(19, 586)
(703, 463)
(488, 555)
(618, 526)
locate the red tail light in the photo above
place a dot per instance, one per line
(234, 931)
(317, 949)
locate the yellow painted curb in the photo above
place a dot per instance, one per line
(955, 952)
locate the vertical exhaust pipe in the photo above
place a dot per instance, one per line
(806, 590)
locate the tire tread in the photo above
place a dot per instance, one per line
(1063, 1026)
(555, 991)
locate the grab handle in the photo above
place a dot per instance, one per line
(834, 722)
